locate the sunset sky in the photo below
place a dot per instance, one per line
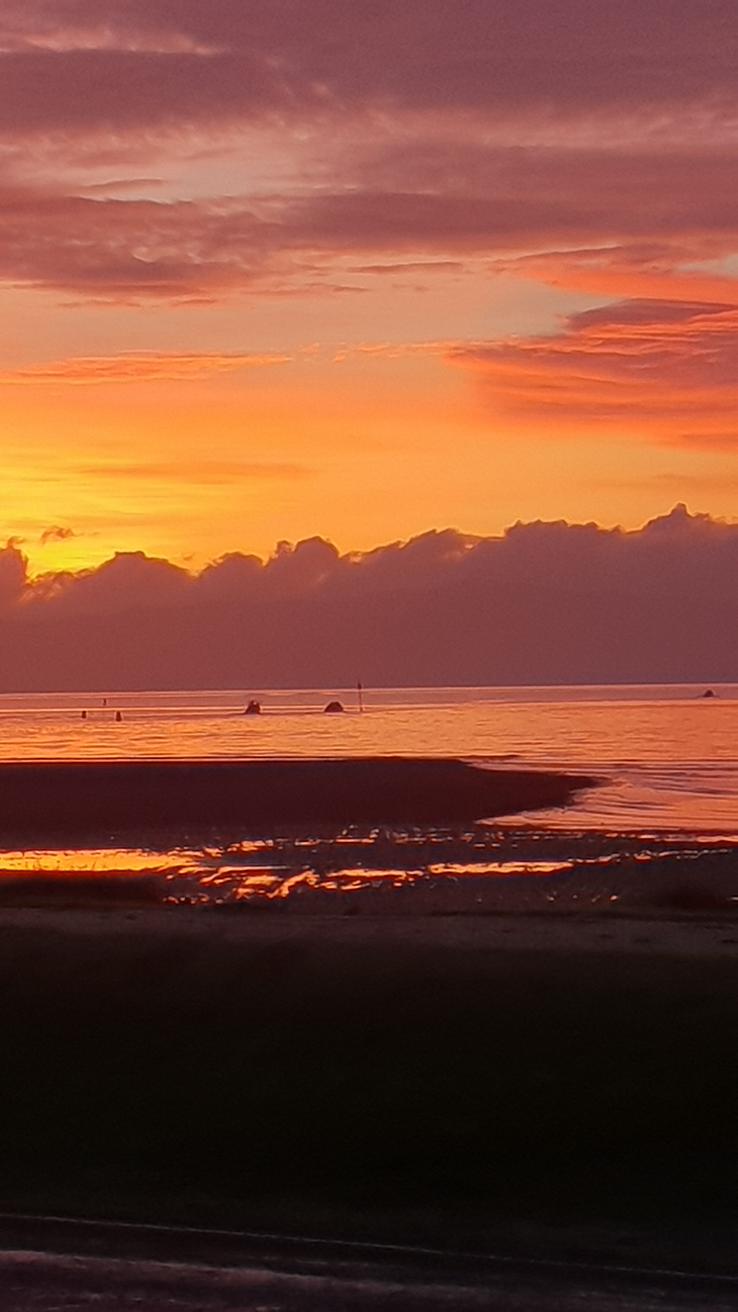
(273, 269)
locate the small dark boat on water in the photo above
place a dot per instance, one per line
(253, 708)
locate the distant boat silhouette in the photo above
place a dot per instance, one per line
(253, 708)
(708, 693)
(333, 708)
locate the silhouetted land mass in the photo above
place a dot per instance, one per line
(83, 798)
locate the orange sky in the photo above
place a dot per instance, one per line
(280, 270)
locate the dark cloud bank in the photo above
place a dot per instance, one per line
(413, 120)
(134, 62)
(544, 603)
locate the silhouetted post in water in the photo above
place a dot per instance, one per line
(104, 701)
(360, 691)
(84, 715)
(118, 717)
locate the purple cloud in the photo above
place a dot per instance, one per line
(545, 602)
(130, 62)
(633, 360)
(57, 533)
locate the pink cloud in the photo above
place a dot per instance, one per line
(621, 221)
(630, 360)
(588, 147)
(138, 367)
(670, 268)
(127, 62)
(13, 574)
(57, 533)
(646, 235)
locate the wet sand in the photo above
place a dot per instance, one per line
(89, 1266)
(246, 934)
(551, 1084)
(42, 799)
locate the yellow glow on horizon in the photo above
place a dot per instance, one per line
(379, 446)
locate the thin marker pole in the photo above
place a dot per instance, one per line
(360, 691)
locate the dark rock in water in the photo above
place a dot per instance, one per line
(709, 693)
(333, 708)
(253, 708)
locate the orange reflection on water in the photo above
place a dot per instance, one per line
(501, 868)
(96, 861)
(292, 885)
(361, 877)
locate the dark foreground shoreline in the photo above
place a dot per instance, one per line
(79, 798)
(466, 1083)
(46, 1263)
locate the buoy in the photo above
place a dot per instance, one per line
(118, 717)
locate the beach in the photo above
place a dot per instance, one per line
(375, 1000)
(369, 658)
(531, 1084)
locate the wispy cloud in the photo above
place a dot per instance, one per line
(635, 359)
(138, 367)
(57, 533)
(196, 471)
(148, 61)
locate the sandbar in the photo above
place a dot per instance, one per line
(78, 798)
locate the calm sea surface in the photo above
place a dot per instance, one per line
(670, 754)
(668, 758)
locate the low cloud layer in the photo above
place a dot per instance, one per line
(544, 603)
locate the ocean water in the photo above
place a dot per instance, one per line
(666, 807)
(669, 755)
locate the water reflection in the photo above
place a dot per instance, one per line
(484, 868)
